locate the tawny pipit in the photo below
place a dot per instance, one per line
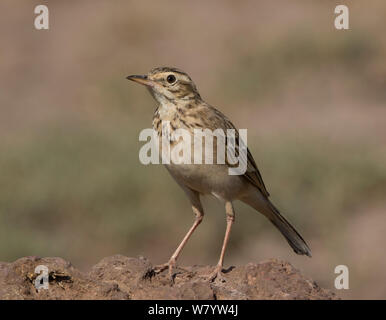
(180, 103)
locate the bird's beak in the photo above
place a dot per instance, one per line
(141, 79)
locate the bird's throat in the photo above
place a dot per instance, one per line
(167, 111)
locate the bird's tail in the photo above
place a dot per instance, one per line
(295, 240)
(293, 237)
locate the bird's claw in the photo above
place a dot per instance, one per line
(170, 265)
(217, 275)
(161, 267)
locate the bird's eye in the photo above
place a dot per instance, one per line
(171, 78)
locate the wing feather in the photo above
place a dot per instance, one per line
(252, 173)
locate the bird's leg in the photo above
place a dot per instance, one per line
(230, 214)
(199, 213)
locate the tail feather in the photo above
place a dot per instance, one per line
(293, 237)
(264, 206)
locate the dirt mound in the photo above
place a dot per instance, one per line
(120, 277)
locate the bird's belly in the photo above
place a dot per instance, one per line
(208, 179)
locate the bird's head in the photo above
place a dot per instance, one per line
(168, 85)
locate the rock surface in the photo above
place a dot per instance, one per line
(120, 277)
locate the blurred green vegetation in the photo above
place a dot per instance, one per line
(66, 191)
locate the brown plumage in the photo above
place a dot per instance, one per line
(180, 105)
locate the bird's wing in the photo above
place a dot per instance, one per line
(252, 173)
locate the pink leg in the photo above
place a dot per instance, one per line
(217, 273)
(172, 261)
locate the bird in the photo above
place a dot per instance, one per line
(180, 104)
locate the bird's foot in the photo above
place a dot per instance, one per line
(217, 275)
(160, 267)
(170, 265)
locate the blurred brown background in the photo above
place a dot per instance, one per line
(312, 97)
